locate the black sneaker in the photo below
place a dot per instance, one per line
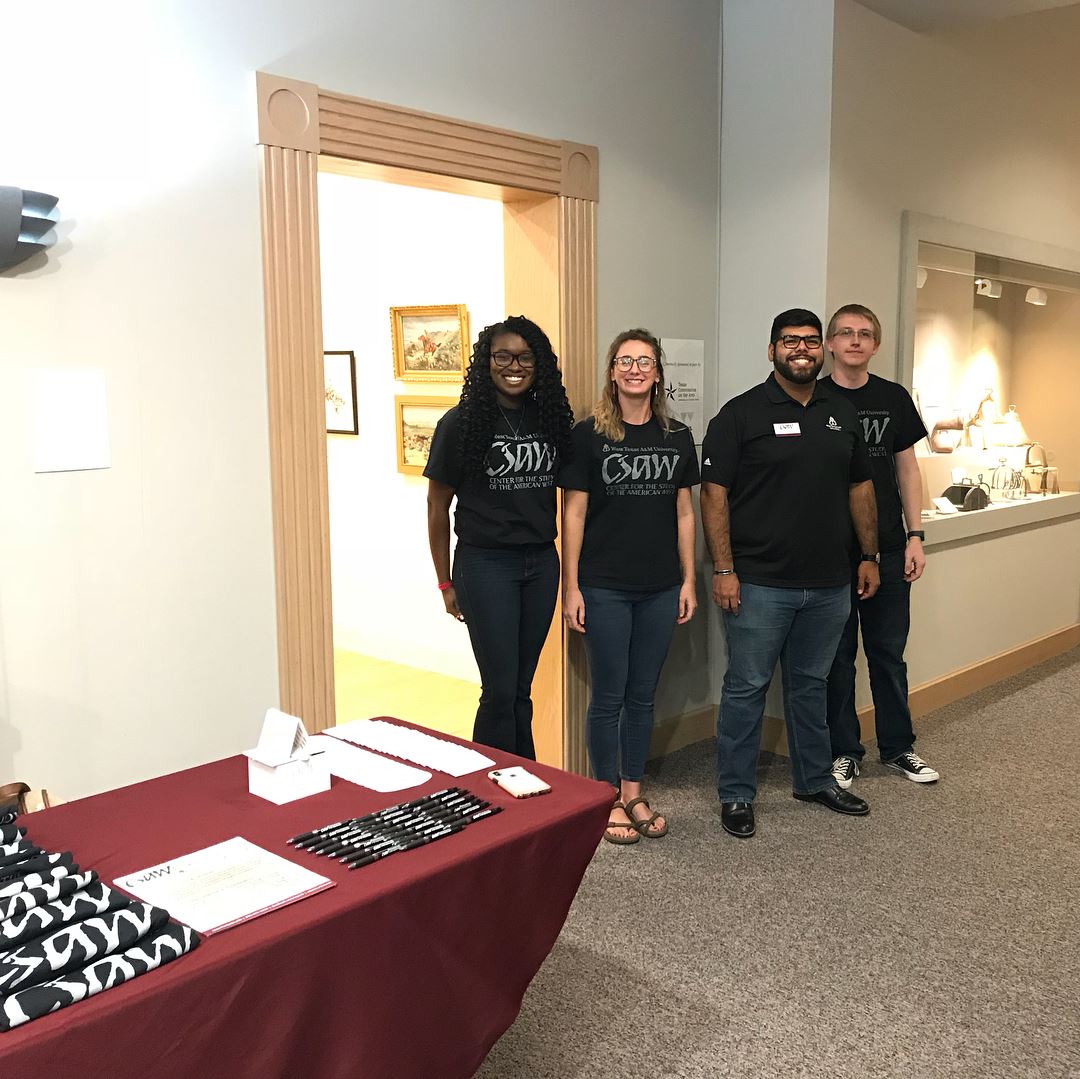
(844, 771)
(914, 767)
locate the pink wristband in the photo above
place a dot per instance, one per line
(444, 585)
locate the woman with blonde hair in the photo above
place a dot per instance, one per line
(628, 564)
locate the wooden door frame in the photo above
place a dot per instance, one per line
(298, 121)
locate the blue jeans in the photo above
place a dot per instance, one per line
(801, 628)
(507, 596)
(627, 635)
(886, 619)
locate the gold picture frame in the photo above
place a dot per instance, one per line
(431, 344)
(415, 419)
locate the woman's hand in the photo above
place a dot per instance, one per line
(449, 598)
(573, 610)
(687, 602)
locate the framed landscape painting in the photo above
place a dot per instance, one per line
(431, 344)
(339, 381)
(416, 418)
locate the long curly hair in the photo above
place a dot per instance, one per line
(478, 408)
(607, 414)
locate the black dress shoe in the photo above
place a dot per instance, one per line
(738, 818)
(838, 801)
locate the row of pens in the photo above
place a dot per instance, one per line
(359, 841)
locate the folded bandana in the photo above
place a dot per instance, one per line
(44, 893)
(96, 898)
(77, 945)
(167, 943)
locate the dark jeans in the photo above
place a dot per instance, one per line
(885, 622)
(507, 596)
(800, 627)
(627, 635)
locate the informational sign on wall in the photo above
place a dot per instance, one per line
(684, 378)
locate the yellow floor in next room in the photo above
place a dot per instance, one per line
(367, 687)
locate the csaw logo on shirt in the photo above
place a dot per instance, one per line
(832, 425)
(519, 464)
(647, 470)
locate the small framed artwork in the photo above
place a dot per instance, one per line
(415, 421)
(430, 343)
(339, 377)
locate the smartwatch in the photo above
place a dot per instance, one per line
(868, 557)
(917, 533)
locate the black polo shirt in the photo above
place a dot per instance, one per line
(788, 470)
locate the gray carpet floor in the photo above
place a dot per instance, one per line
(939, 936)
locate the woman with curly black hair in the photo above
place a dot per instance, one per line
(497, 452)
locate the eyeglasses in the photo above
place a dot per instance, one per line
(645, 363)
(847, 333)
(792, 340)
(526, 360)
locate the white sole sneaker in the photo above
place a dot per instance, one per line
(928, 776)
(844, 783)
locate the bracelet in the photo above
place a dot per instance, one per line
(917, 534)
(444, 585)
(722, 572)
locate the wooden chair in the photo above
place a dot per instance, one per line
(15, 794)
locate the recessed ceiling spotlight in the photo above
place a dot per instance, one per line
(1037, 296)
(985, 287)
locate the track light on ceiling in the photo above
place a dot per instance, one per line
(985, 287)
(26, 220)
(921, 275)
(1037, 296)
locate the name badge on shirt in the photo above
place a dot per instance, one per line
(786, 429)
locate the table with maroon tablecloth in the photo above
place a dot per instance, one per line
(412, 966)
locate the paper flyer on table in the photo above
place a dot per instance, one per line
(222, 885)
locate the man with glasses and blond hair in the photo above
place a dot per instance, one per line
(891, 426)
(785, 477)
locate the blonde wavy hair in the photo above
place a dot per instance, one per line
(606, 413)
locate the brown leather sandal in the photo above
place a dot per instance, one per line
(621, 840)
(644, 827)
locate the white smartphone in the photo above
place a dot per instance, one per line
(518, 782)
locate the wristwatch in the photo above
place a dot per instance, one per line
(868, 557)
(917, 533)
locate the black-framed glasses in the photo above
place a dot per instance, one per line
(793, 340)
(645, 363)
(847, 333)
(526, 360)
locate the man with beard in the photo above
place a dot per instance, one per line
(785, 476)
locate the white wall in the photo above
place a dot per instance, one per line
(384, 245)
(978, 127)
(137, 626)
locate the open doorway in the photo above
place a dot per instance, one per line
(548, 190)
(383, 246)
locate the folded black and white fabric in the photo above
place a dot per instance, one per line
(97, 898)
(28, 898)
(77, 945)
(168, 943)
(40, 863)
(8, 813)
(33, 880)
(14, 848)
(11, 833)
(18, 852)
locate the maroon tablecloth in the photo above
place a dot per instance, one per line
(412, 966)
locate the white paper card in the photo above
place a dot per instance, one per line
(943, 505)
(222, 885)
(787, 428)
(684, 381)
(71, 420)
(366, 769)
(282, 738)
(438, 754)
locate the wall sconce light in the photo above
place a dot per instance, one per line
(26, 219)
(920, 276)
(1037, 296)
(985, 287)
